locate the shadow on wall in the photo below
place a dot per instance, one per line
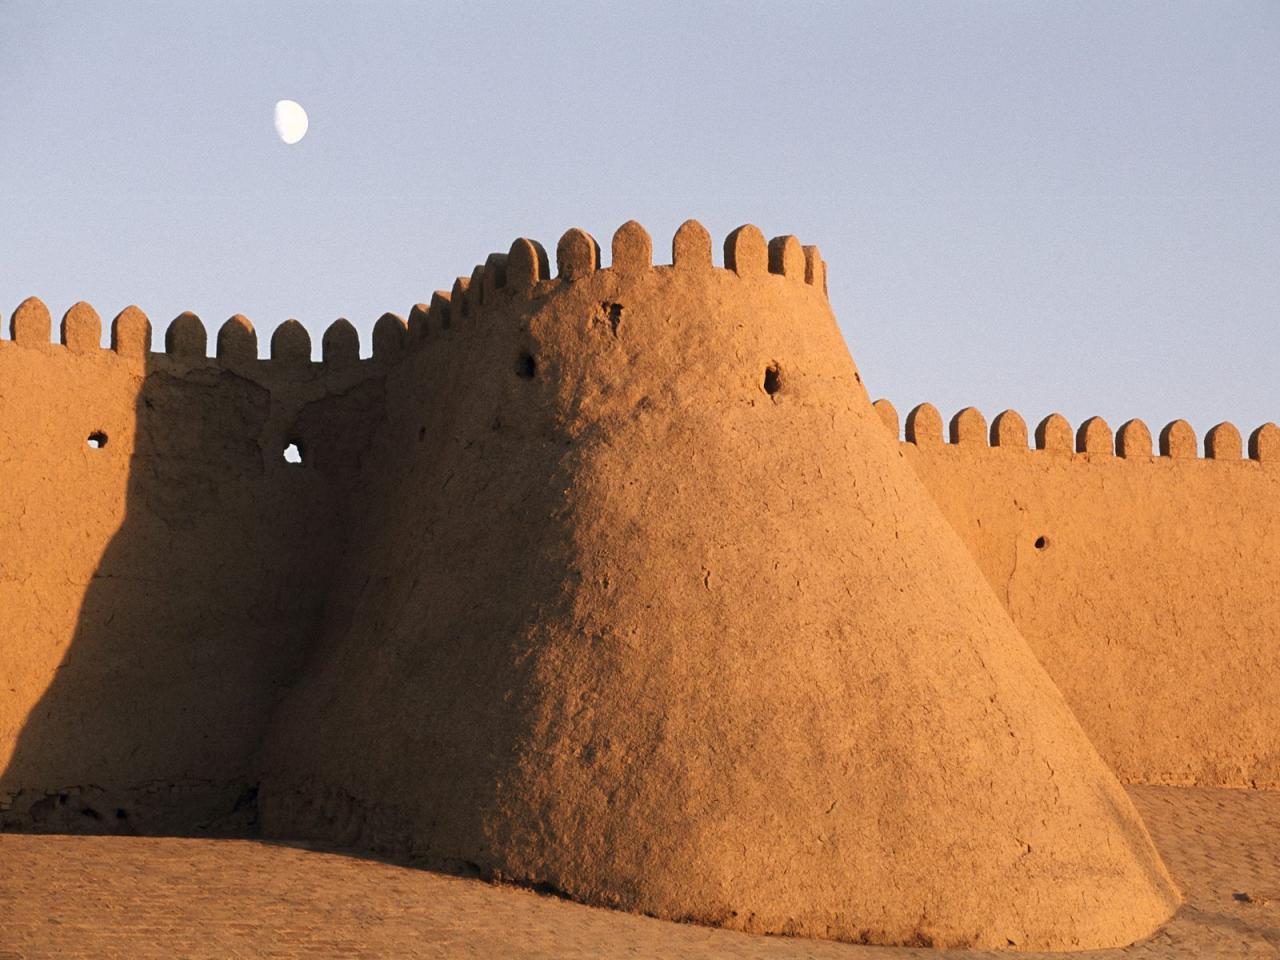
(196, 603)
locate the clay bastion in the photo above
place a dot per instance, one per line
(615, 582)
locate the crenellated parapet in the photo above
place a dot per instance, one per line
(214, 383)
(1092, 439)
(526, 272)
(105, 384)
(522, 308)
(186, 339)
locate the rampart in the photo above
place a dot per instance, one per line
(641, 602)
(163, 567)
(1146, 578)
(611, 581)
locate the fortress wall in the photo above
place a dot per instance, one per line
(461, 524)
(609, 581)
(1147, 579)
(1154, 593)
(158, 592)
(640, 602)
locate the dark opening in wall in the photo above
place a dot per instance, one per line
(293, 453)
(97, 440)
(614, 312)
(1041, 542)
(526, 366)
(772, 379)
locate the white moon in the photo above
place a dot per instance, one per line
(291, 121)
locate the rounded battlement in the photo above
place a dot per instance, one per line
(523, 275)
(557, 322)
(525, 270)
(1133, 441)
(186, 344)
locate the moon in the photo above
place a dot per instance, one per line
(291, 121)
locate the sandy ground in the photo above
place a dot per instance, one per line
(107, 897)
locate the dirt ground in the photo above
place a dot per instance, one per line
(108, 897)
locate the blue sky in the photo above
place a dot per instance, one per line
(1070, 207)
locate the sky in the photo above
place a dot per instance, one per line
(1069, 207)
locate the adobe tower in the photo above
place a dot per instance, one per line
(642, 603)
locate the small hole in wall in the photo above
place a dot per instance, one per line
(1041, 543)
(526, 366)
(293, 453)
(772, 379)
(121, 814)
(97, 440)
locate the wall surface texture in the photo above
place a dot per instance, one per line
(1147, 584)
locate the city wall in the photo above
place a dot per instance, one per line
(165, 573)
(1145, 576)
(613, 582)
(163, 567)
